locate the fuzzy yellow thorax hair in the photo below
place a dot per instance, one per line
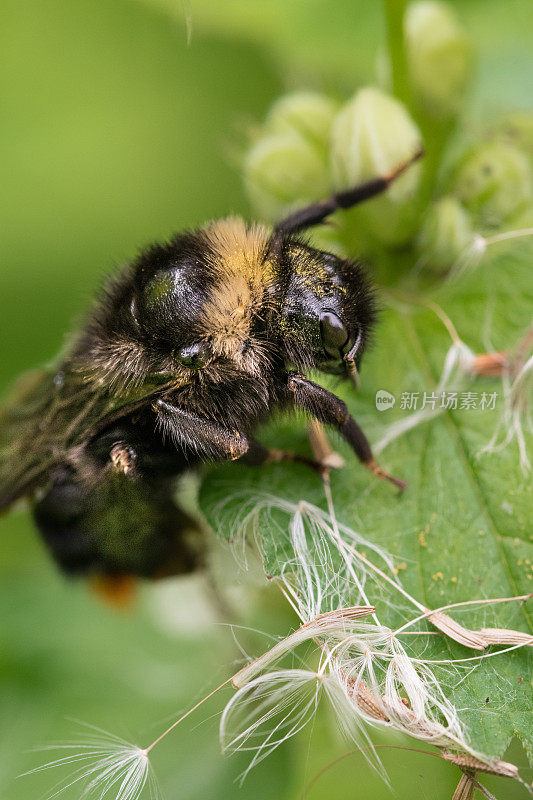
(240, 270)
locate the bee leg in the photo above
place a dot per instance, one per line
(258, 455)
(200, 435)
(123, 457)
(321, 447)
(331, 410)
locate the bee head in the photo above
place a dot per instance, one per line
(327, 311)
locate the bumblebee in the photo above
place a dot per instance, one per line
(185, 352)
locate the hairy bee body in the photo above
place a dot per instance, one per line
(185, 352)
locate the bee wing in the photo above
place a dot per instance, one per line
(20, 437)
(48, 414)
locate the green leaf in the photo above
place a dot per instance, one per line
(461, 531)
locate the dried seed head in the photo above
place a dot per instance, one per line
(331, 619)
(329, 623)
(515, 420)
(402, 714)
(368, 702)
(105, 766)
(466, 637)
(506, 636)
(465, 788)
(493, 767)
(489, 365)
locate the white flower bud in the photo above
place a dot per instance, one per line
(371, 135)
(439, 56)
(284, 171)
(446, 235)
(494, 182)
(523, 219)
(517, 130)
(309, 114)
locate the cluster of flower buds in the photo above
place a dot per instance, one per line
(494, 182)
(491, 190)
(370, 136)
(312, 146)
(288, 166)
(439, 56)
(517, 129)
(445, 235)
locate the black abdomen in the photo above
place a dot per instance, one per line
(113, 511)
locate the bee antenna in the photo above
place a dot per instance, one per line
(317, 212)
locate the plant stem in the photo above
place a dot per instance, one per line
(435, 134)
(394, 16)
(184, 716)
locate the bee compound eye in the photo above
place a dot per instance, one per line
(334, 334)
(194, 356)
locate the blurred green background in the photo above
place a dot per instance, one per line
(120, 123)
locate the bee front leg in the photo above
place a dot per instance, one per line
(331, 410)
(199, 435)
